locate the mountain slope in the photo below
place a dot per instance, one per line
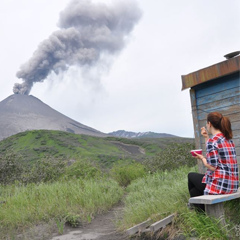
(38, 144)
(19, 113)
(126, 134)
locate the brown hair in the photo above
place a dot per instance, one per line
(221, 123)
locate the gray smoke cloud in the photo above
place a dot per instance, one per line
(87, 31)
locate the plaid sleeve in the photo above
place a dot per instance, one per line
(212, 153)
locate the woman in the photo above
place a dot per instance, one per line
(221, 176)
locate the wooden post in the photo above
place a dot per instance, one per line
(216, 211)
(201, 168)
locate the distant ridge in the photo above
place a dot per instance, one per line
(126, 134)
(19, 113)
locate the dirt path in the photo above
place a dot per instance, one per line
(101, 228)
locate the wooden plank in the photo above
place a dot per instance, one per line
(139, 227)
(161, 224)
(233, 109)
(216, 71)
(213, 199)
(218, 85)
(235, 125)
(236, 138)
(235, 100)
(234, 117)
(218, 96)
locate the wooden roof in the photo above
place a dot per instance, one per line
(221, 69)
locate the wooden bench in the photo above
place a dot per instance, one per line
(214, 203)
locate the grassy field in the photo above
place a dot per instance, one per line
(38, 144)
(74, 201)
(56, 178)
(163, 193)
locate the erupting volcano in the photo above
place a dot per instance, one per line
(89, 34)
(19, 113)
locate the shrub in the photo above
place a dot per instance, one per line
(175, 155)
(11, 169)
(14, 169)
(82, 168)
(44, 170)
(124, 172)
(73, 220)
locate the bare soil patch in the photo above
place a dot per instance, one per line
(103, 227)
(129, 148)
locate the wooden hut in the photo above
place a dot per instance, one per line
(215, 88)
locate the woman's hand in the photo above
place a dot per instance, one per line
(204, 132)
(198, 156)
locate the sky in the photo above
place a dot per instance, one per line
(138, 87)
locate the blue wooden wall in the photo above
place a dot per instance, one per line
(221, 95)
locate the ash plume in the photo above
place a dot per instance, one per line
(87, 31)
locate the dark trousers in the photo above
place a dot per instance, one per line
(196, 187)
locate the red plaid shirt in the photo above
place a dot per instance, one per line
(221, 154)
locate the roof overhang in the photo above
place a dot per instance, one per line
(221, 69)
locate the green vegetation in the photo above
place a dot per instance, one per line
(38, 144)
(34, 145)
(171, 157)
(56, 178)
(69, 201)
(163, 193)
(125, 172)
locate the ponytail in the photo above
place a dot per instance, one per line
(226, 128)
(221, 123)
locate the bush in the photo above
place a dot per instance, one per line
(14, 169)
(172, 157)
(82, 168)
(11, 169)
(45, 170)
(124, 172)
